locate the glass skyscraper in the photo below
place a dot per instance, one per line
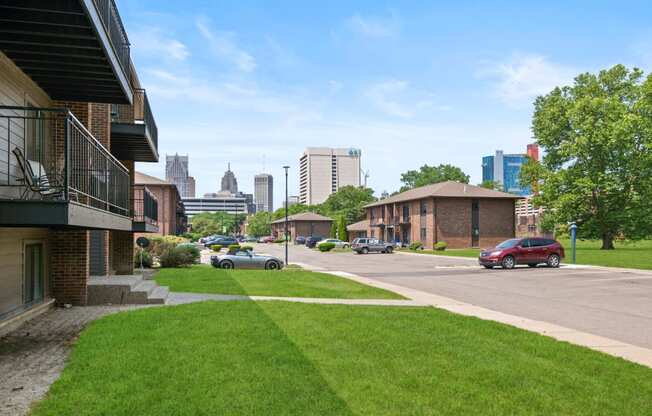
(505, 169)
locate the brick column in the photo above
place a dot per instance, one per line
(69, 265)
(122, 252)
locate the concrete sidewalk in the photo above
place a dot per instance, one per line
(179, 298)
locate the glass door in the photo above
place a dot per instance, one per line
(34, 273)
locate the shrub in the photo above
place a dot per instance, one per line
(233, 248)
(147, 258)
(246, 248)
(181, 255)
(216, 247)
(279, 240)
(441, 246)
(158, 245)
(324, 247)
(416, 245)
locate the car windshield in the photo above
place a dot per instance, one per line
(509, 243)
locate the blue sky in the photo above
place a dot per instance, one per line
(409, 82)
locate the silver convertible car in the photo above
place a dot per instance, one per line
(246, 260)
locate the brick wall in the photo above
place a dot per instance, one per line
(497, 221)
(122, 252)
(454, 221)
(69, 265)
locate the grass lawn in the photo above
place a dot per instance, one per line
(280, 358)
(296, 283)
(635, 255)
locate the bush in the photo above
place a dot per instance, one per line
(417, 245)
(440, 246)
(324, 247)
(233, 248)
(216, 247)
(246, 248)
(158, 245)
(179, 256)
(147, 258)
(280, 240)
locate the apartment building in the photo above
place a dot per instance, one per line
(168, 206)
(305, 224)
(462, 215)
(324, 170)
(73, 121)
(264, 192)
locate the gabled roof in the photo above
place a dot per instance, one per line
(304, 216)
(358, 226)
(448, 189)
(142, 179)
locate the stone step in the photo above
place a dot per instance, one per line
(158, 296)
(141, 292)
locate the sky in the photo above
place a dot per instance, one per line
(409, 82)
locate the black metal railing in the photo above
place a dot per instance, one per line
(145, 206)
(138, 113)
(113, 26)
(47, 154)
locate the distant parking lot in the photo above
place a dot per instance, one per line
(612, 303)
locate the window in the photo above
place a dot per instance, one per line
(34, 274)
(373, 233)
(406, 211)
(424, 208)
(423, 234)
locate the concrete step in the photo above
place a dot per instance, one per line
(140, 293)
(158, 296)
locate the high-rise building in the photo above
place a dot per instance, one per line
(533, 151)
(292, 200)
(323, 170)
(229, 183)
(176, 172)
(264, 192)
(505, 169)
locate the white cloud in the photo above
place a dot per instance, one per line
(153, 42)
(384, 96)
(374, 26)
(224, 46)
(522, 78)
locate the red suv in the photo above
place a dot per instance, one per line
(530, 251)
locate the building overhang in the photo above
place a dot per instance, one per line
(144, 227)
(68, 49)
(133, 141)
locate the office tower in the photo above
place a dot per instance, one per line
(505, 169)
(229, 183)
(176, 172)
(264, 192)
(323, 170)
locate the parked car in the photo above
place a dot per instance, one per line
(250, 239)
(246, 259)
(312, 241)
(222, 241)
(338, 243)
(266, 239)
(530, 251)
(368, 245)
(300, 240)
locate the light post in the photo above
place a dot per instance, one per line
(573, 235)
(286, 213)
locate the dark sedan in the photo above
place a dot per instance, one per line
(530, 251)
(312, 241)
(224, 242)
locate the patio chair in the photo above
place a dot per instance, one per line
(39, 184)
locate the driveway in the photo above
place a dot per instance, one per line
(616, 304)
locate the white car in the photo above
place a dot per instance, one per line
(338, 243)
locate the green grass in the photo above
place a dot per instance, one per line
(629, 254)
(278, 358)
(293, 283)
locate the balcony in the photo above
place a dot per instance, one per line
(145, 211)
(377, 222)
(53, 172)
(134, 135)
(76, 50)
(404, 220)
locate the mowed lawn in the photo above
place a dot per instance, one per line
(281, 358)
(289, 283)
(629, 254)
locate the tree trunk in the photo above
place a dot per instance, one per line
(607, 241)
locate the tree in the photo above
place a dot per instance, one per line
(259, 224)
(496, 186)
(597, 135)
(333, 233)
(296, 209)
(341, 229)
(348, 202)
(427, 175)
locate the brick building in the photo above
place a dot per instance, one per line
(73, 122)
(305, 224)
(462, 215)
(171, 214)
(357, 230)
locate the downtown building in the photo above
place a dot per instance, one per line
(505, 169)
(74, 120)
(323, 170)
(264, 192)
(228, 200)
(178, 173)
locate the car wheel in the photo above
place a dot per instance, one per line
(532, 264)
(508, 262)
(271, 265)
(226, 264)
(345, 246)
(364, 250)
(553, 260)
(389, 250)
(487, 266)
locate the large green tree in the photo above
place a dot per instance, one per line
(259, 224)
(207, 223)
(597, 169)
(348, 202)
(427, 175)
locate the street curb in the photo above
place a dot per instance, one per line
(633, 353)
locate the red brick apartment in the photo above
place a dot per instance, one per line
(166, 203)
(462, 215)
(305, 224)
(73, 121)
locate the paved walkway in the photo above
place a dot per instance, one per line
(33, 355)
(178, 298)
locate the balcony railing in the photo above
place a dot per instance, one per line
(47, 154)
(139, 113)
(145, 206)
(112, 22)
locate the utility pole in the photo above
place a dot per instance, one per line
(286, 213)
